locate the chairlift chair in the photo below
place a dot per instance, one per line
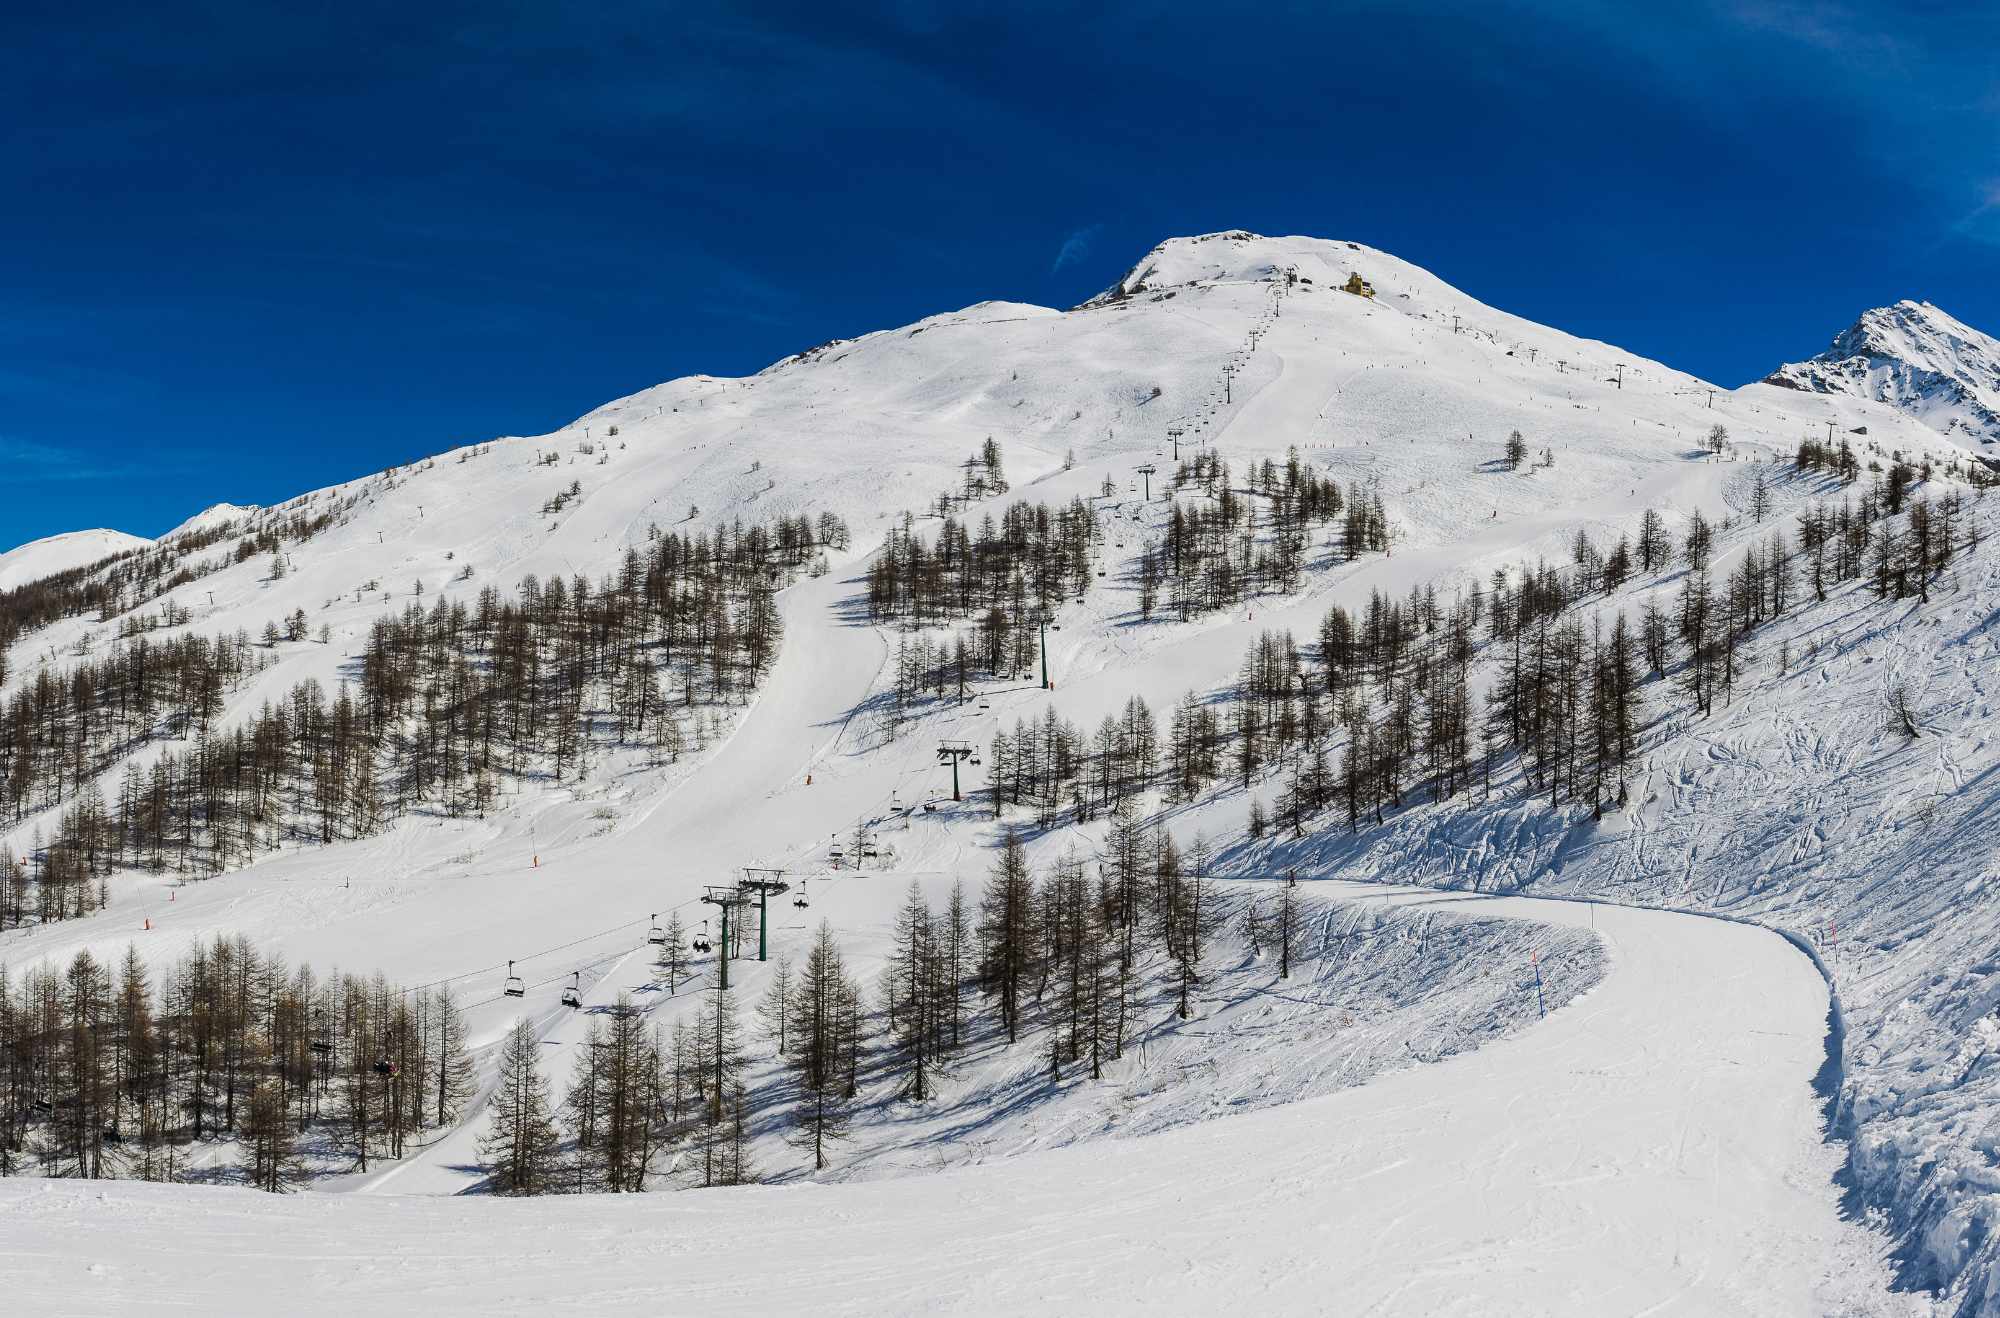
(514, 988)
(658, 936)
(572, 994)
(384, 1067)
(701, 939)
(800, 900)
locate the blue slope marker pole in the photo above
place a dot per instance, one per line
(1540, 1005)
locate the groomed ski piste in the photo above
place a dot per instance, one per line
(1696, 1127)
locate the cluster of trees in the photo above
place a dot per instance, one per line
(1031, 559)
(1383, 705)
(1068, 954)
(923, 987)
(1049, 766)
(637, 1092)
(112, 1072)
(1218, 551)
(984, 473)
(445, 702)
(1069, 950)
(1838, 460)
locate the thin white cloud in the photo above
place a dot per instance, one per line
(1076, 246)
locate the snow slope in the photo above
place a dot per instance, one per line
(1788, 807)
(1915, 358)
(60, 553)
(1652, 1149)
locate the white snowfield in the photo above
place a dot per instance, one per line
(1652, 1149)
(1656, 1148)
(59, 553)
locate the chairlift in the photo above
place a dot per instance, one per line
(984, 703)
(869, 852)
(111, 1135)
(975, 759)
(657, 936)
(701, 939)
(572, 994)
(43, 1106)
(514, 987)
(800, 900)
(384, 1067)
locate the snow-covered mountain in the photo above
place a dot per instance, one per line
(1916, 358)
(59, 553)
(1795, 804)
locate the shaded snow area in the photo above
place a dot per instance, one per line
(1696, 1128)
(1375, 986)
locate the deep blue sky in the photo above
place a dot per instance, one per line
(251, 250)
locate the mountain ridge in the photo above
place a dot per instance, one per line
(1915, 357)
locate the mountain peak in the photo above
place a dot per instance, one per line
(1235, 256)
(1915, 357)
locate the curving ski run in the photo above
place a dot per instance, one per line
(1651, 1149)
